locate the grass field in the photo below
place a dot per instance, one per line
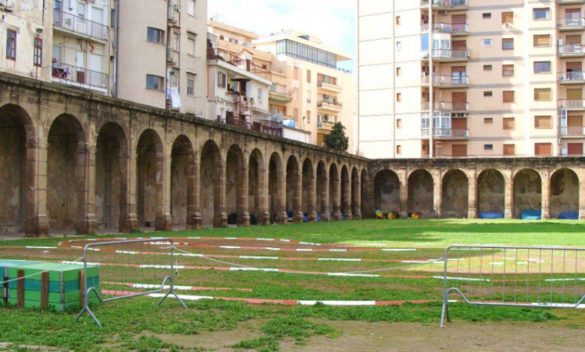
(390, 255)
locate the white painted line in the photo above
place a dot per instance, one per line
(352, 275)
(194, 238)
(121, 238)
(284, 240)
(230, 238)
(462, 279)
(272, 249)
(496, 263)
(309, 244)
(338, 250)
(304, 250)
(127, 252)
(521, 263)
(338, 303)
(40, 247)
(558, 280)
(340, 259)
(77, 247)
(257, 257)
(398, 249)
(192, 255)
(264, 239)
(94, 249)
(229, 247)
(80, 263)
(271, 270)
(183, 297)
(155, 266)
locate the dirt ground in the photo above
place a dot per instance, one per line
(406, 337)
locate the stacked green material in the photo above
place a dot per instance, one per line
(4, 265)
(64, 285)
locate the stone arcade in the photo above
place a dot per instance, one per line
(72, 161)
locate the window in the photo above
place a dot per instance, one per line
(155, 35)
(191, 7)
(398, 46)
(398, 71)
(11, 44)
(509, 123)
(542, 67)
(191, 40)
(260, 96)
(190, 84)
(508, 96)
(398, 123)
(486, 15)
(398, 149)
(508, 44)
(542, 122)
(509, 149)
(542, 94)
(488, 147)
(308, 76)
(398, 20)
(399, 97)
(296, 73)
(154, 82)
(541, 40)
(488, 120)
(487, 67)
(221, 80)
(543, 149)
(507, 17)
(487, 42)
(488, 94)
(38, 52)
(540, 14)
(507, 70)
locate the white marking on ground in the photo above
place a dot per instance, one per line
(338, 303)
(462, 278)
(340, 259)
(352, 275)
(229, 247)
(271, 270)
(398, 249)
(257, 257)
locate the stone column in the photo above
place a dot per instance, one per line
(197, 216)
(191, 192)
(264, 207)
(243, 184)
(357, 196)
(219, 213)
(85, 179)
(508, 194)
(545, 203)
(164, 220)
(37, 221)
(472, 194)
(297, 198)
(403, 178)
(581, 175)
(312, 197)
(325, 216)
(346, 200)
(337, 200)
(437, 193)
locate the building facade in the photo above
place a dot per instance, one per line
(462, 78)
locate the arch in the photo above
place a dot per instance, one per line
(455, 195)
(420, 193)
(293, 189)
(308, 195)
(334, 196)
(149, 179)
(211, 186)
(387, 191)
(345, 193)
(527, 191)
(364, 194)
(355, 194)
(234, 187)
(17, 170)
(276, 199)
(491, 190)
(322, 193)
(564, 194)
(256, 186)
(182, 182)
(66, 173)
(111, 180)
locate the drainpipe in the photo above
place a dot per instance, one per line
(394, 82)
(117, 47)
(431, 77)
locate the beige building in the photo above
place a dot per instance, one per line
(503, 78)
(162, 54)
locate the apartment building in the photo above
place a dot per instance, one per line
(322, 94)
(162, 54)
(461, 78)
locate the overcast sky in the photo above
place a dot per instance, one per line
(331, 20)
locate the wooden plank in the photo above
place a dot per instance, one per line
(44, 290)
(20, 289)
(82, 287)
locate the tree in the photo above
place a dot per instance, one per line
(337, 139)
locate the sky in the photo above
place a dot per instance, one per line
(333, 21)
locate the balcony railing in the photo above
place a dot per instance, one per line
(571, 104)
(80, 25)
(446, 106)
(571, 49)
(575, 76)
(456, 81)
(80, 76)
(451, 28)
(578, 131)
(328, 85)
(445, 4)
(571, 22)
(329, 103)
(447, 133)
(450, 54)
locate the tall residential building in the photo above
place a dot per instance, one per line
(162, 54)
(501, 78)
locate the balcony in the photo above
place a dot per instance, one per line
(570, 2)
(325, 124)
(446, 133)
(457, 81)
(280, 94)
(80, 77)
(330, 105)
(455, 29)
(446, 106)
(573, 132)
(571, 24)
(330, 87)
(446, 5)
(572, 50)
(569, 78)
(80, 26)
(572, 105)
(449, 55)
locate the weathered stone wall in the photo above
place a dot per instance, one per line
(387, 191)
(564, 192)
(455, 195)
(12, 153)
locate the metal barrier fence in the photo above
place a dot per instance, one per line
(119, 265)
(529, 277)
